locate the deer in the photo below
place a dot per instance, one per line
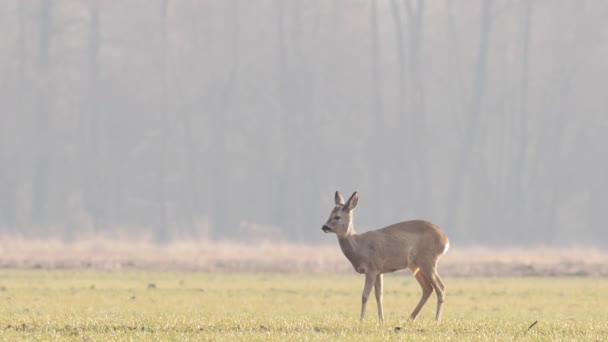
(415, 244)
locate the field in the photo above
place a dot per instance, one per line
(193, 305)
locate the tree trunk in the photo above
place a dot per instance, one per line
(468, 142)
(225, 223)
(162, 229)
(42, 162)
(11, 178)
(93, 180)
(403, 166)
(377, 141)
(515, 191)
(417, 108)
(284, 187)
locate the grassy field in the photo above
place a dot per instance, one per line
(122, 305)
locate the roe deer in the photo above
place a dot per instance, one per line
(416, 245)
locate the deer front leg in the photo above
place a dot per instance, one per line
(378, 289)
(369, 282)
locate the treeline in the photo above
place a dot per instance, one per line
(238, 119)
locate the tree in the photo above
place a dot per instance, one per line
(42, 162)
(469, 137)
(224, 221)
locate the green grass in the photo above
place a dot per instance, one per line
(96, 305)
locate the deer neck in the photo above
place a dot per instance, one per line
(348, 244)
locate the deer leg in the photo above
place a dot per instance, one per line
(369, 282)
(440, 282)
(431, 273)
(427, 290)
(440, 299)
(378, 289)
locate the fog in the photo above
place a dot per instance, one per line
(238, 119)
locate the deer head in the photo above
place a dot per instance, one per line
(341, 217)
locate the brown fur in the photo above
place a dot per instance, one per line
(416, 245)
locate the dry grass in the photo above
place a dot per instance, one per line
(106, 253)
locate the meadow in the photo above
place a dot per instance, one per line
(98, 305)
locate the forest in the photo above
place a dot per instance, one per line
(238, 120)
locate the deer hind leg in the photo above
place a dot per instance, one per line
(427, 290)
(367, 289)
(440, 304)
(431, 273)
(439, 281)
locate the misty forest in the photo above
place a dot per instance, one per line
(238, 119)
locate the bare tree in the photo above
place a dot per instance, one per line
(415, 20)
(162, 229)
(10, 178)
(378, 175)
(403, 113)
(517, 174)
(225, 223)
(93, 186)
(469, 137)
(42, 166)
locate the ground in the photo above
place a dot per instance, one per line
(142, 305)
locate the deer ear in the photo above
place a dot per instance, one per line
(338, 198)
(352, 201)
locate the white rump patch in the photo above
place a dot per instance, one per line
(447, 246)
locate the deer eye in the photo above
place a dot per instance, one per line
(336, 217)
